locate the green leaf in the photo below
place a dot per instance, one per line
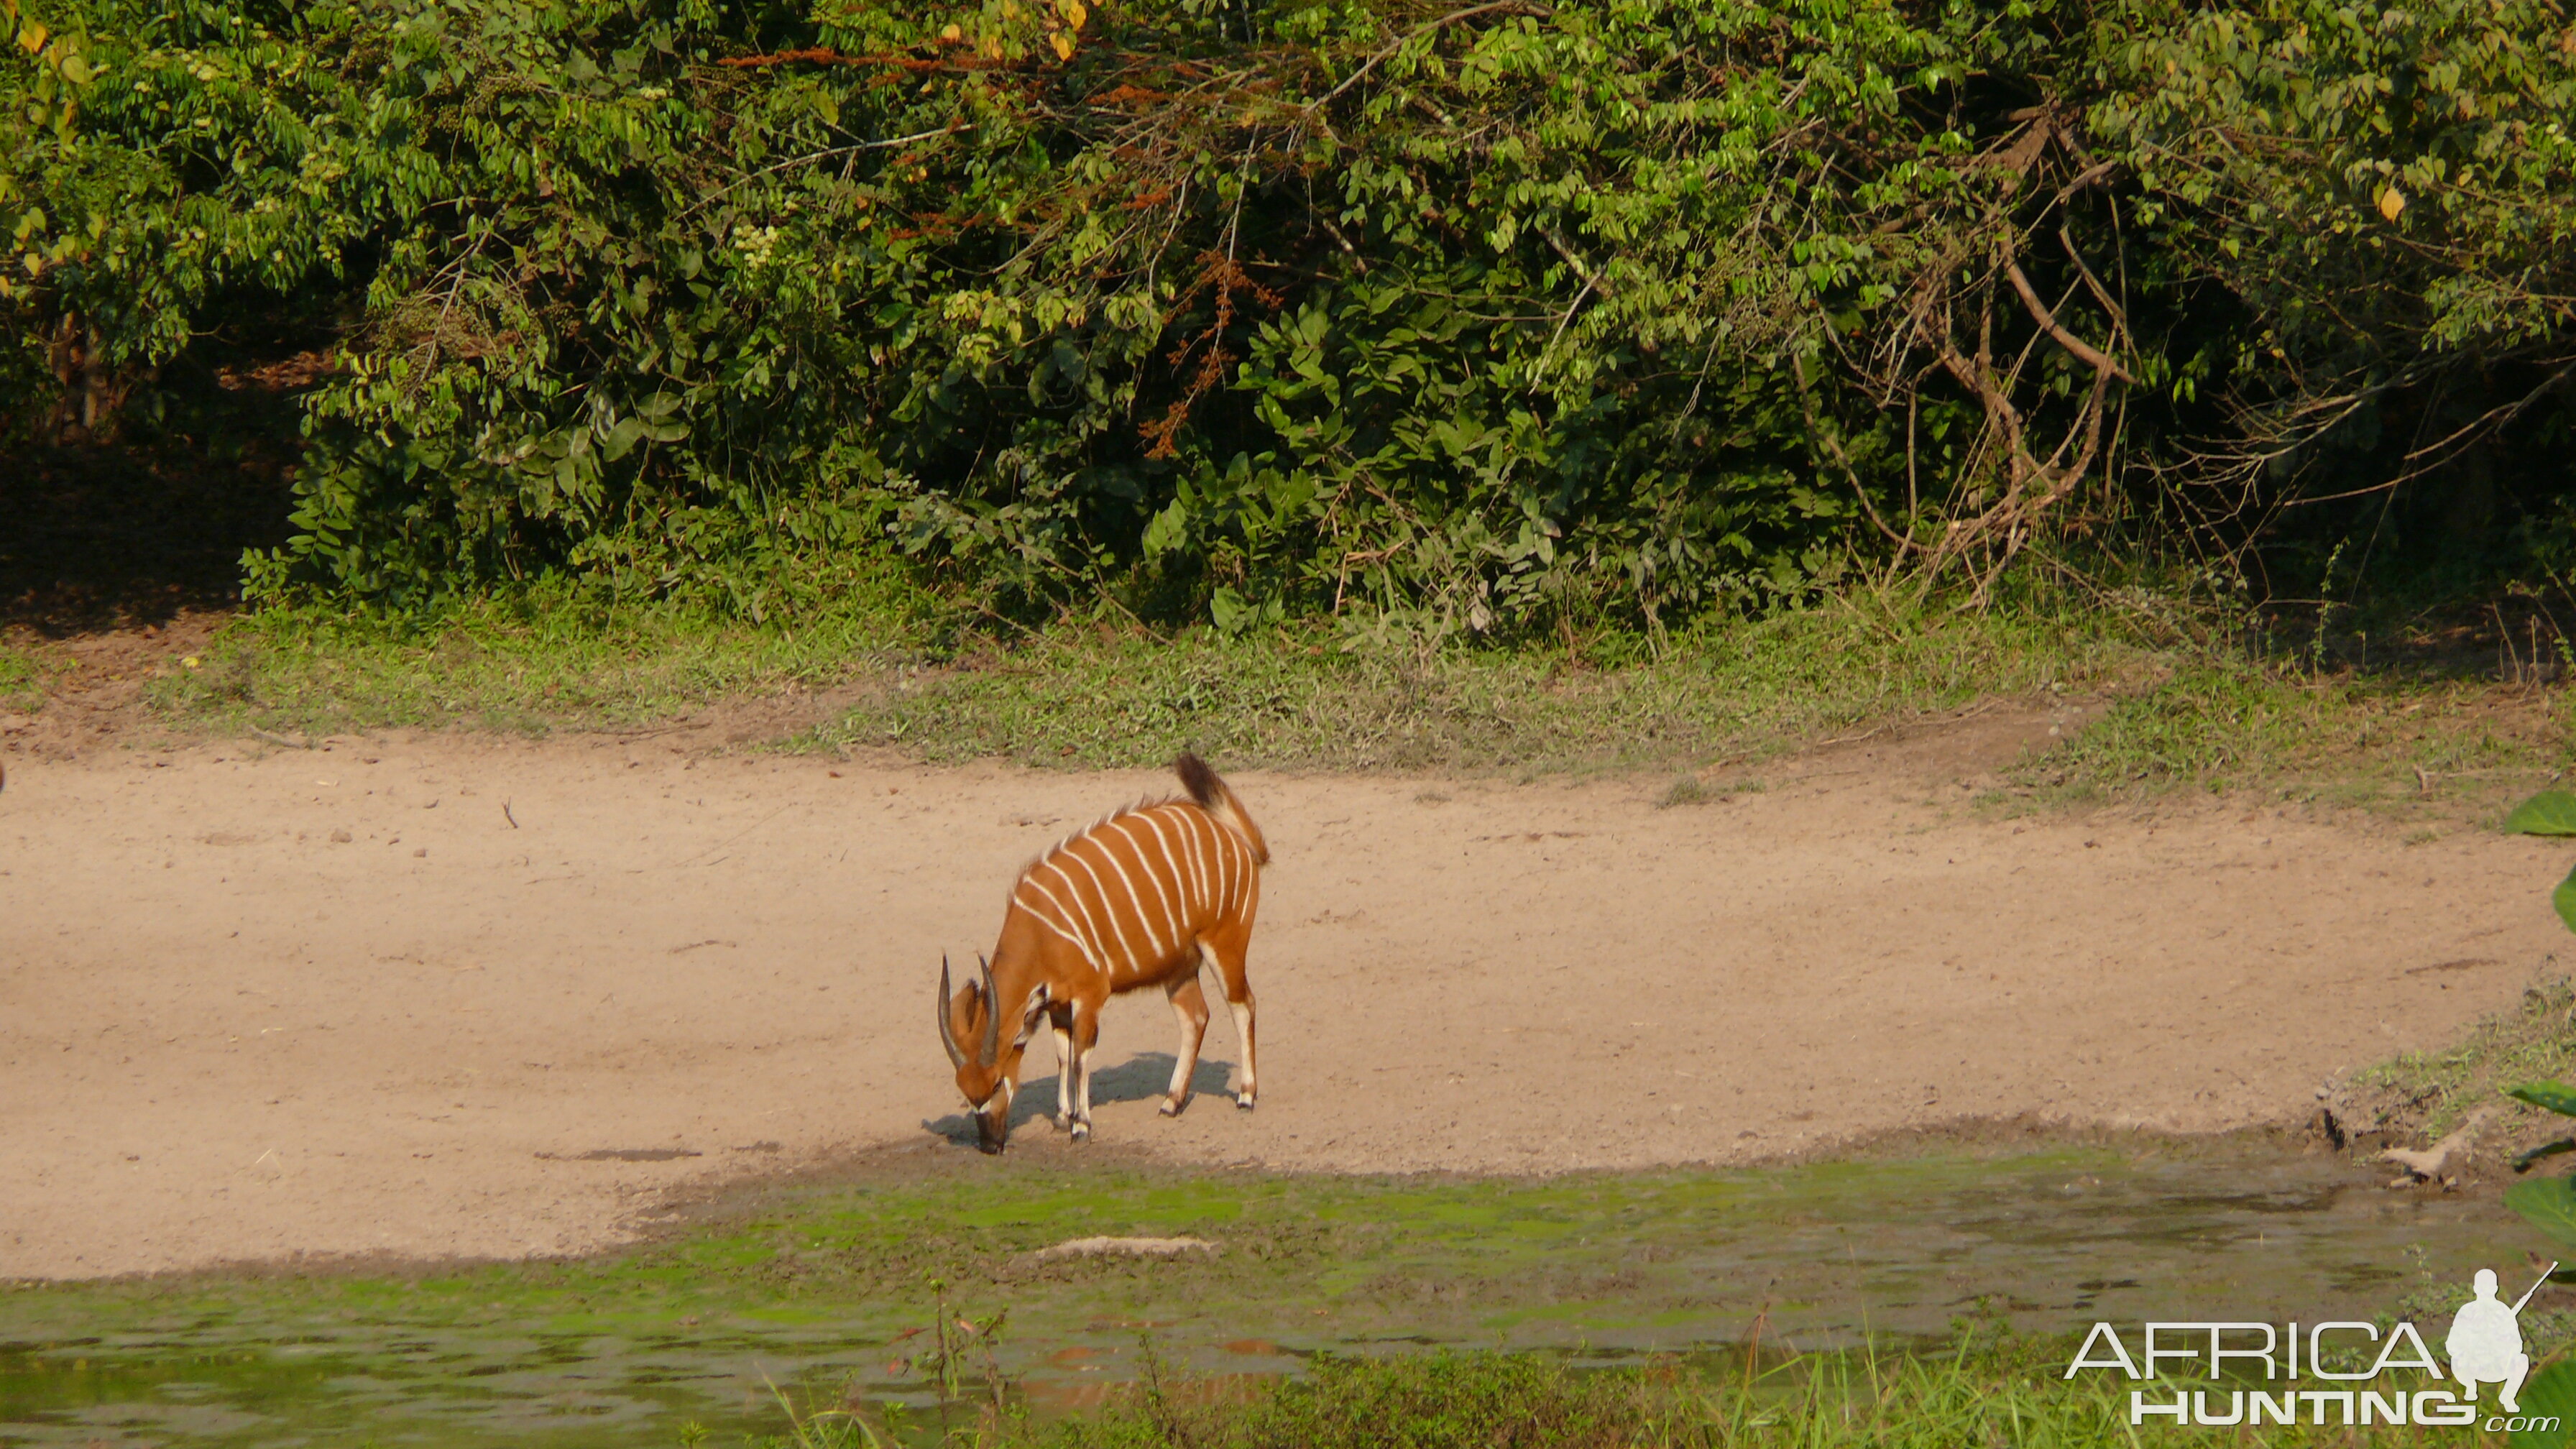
(1165, 532)
(2547, 1203)
(1229, 610)
(670, 432)
(2551, 812)
(621, 438)
(2557, 1097)
(2549, 1396)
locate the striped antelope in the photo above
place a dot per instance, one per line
(1141, 898)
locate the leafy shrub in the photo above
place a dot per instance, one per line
(1623, 309)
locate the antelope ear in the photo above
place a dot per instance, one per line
(1035, 1013)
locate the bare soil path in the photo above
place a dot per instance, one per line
(453, 995)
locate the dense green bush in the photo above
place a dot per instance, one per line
(2386, 194)
(1489, 316)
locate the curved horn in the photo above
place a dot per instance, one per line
(992, 1015)
(947, 1036)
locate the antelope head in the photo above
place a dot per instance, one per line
(985, 1073)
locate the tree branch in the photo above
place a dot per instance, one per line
(2039, 313)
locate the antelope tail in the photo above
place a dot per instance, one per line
(1213, 797)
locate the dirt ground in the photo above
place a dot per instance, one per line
(459, 995)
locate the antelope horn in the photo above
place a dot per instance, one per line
(947, 1036)
(992, 1015)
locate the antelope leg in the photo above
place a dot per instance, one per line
(1189, 1004)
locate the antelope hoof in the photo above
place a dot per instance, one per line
(1243, 1101)
(1172, 1106)
(1081, 1130)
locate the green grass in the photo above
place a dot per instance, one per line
(1981, 1394)
(23, 674)
(849, 1291)
(1094, 694)
(1985, 1391)
(2212, 722)
(541, 660)
(1728, 692)
(884, 665)
(2431, 1092)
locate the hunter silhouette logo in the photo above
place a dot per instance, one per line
(2315, 1372)
(2485, 1343)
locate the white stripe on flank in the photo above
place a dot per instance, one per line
(1051, 924)
(1133, 895)
(1126, 948)
(1193, 872)
(1062, 922)
(1073, 888)
(1225, 869)
(1205, 845)
(1201, 869)
(1157, 873)
(1192, 866)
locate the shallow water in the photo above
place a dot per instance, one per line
(824, 1297)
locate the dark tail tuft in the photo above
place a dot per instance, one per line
(1219, 802)
(1198, 779)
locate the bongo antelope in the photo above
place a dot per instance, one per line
(1140, 898)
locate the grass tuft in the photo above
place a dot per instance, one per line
(1688, 790)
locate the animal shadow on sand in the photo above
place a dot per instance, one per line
(1145, 1075)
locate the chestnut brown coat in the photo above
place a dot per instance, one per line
(1144, 897)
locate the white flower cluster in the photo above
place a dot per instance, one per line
(755, 243)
